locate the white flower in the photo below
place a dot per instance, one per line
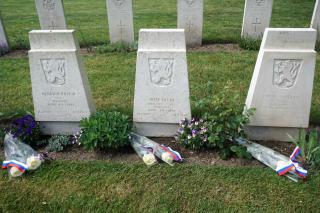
(33, 162)
(196, 123)
(166, 157)
(15, 172)
(149, 159)
(189, 137)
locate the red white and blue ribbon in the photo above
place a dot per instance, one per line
(22, 167)
(176, 155)
(293, 164)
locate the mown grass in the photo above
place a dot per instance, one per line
(109, 187)
(111, 78)
(222, 18)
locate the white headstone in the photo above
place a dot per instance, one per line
(60, 87)
(51, 14)
(190, 18)
(315, 23)
(120, 18)
(257, 16)
(4, 43)
(282, 82)
(161, 96)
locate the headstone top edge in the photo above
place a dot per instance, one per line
(289, 39)
(53, 40)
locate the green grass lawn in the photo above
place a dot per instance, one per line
(222, 18)
(109, 187)
(105, 71)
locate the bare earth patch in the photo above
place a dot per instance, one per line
(127, 155)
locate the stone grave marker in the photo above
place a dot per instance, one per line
(4, 43)
(190, 18)
(315, 23)
(51, 14)
(161, 96)
(257, 16)
(282, 82)
(60, 87)
(120, 18)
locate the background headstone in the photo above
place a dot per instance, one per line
(315, 23)
(257, 16)
(161, 96)
(60, 87)
(51, 14)
(4, 43)
(282, 82)
(120, 19)
(190, 18)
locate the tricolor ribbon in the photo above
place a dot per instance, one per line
(176, 155)
(22, 167)
(293, 164)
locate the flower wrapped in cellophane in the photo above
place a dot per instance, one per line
(148, 150)
(19, 157)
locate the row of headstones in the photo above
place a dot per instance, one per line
(257, 15)
(280, 89)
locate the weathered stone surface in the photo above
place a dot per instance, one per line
(282, 82)
(257, 16)
(60, 87)
(4, 43)
(51, 14)
(161, 97)
(190, 18)
(315, 23)
(120, 18)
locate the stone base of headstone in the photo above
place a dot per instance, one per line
(263, 133)
(156, 129)
(54, 128)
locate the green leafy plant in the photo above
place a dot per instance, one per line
(310, 148)
(117, 47)
(192, 134)
(250, 44)
(58, 143)
(225, 119)
(105, 130)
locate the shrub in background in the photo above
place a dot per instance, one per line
(250, 44)
(105, 130)
(58, 143)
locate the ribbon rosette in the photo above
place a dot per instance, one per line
(293, 164)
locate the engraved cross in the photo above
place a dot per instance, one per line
(121, 26)
(52, 26)
(189, 25)
(256, 23)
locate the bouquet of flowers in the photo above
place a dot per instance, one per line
(148, 150)
(19, 156)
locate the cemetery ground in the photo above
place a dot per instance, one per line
(121, 181)
(81, 181)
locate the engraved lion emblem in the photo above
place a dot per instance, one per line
(119, 3)
(260, 2)
(54, 70)
(49, 4)
(190, 2)
(285, 72)
(161, 71)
